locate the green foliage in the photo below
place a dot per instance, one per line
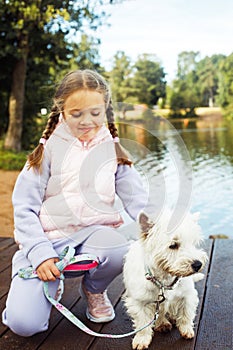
(12, 160)
(149, 80)
(225, 96)
(186, 64)
(197, 83)
(184, 99)
(185, 92)
(208, 75)
(120, 79)
(142, 82)
(86, 54)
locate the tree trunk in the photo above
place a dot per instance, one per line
(15, 127)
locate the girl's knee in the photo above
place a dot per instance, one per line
(109, 245)
(27, 309)
(23, 324)
(115, 257)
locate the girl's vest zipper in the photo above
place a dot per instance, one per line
(85, 145)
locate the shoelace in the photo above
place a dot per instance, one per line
(66, 258)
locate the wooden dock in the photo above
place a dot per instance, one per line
(214, 321)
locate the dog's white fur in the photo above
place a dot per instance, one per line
(168, 255)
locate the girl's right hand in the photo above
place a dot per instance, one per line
(48, 271)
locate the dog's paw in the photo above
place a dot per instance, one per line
(164, 327)
(186, 332)
(141, 342)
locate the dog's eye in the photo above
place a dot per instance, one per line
(174, 245)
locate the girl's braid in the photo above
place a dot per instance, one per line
(111, 121)
(122, 155)
(51, 123)
(35, 158)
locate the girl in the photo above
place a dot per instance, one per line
(65, 196)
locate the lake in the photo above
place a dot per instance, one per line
(187, 165)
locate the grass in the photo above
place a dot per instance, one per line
(12, 160)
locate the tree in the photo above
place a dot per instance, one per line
(208, 78)
(85, 54)
(120, 79)
(185, 89)
(187, 63)
(32, 26)
(225, 94)
(148, 80)
(183, 99)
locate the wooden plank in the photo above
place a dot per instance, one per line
(3, 328)
(215, 328)
(68, 337)
(6, 256)
(5, 280)
(161, 341)
(6, 242)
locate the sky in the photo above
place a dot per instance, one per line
(166, 28)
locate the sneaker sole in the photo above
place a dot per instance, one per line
(99, 319)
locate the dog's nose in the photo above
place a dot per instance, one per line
(196, 265)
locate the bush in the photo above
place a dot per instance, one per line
(12, 160)
(228, 112)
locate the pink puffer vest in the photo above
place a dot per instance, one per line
(81, 189)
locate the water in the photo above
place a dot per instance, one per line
(187, 163)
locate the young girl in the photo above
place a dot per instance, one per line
(65, 196)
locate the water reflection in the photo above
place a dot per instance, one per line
(209, 144)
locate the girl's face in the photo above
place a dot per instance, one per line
(84, 112)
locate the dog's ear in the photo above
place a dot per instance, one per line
(196, 216)
(145, 223)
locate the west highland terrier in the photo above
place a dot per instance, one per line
(159, 274)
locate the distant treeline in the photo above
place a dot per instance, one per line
(206, 82)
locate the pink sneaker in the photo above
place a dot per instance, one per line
(99, 307)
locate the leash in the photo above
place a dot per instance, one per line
(67, 258)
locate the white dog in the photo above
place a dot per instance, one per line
(159, 274)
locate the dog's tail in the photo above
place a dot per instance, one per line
(198, 277)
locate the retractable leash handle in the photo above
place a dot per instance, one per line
(69, 262)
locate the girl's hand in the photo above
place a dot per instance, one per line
(48, 271)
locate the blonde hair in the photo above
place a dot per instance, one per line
(73, 81)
